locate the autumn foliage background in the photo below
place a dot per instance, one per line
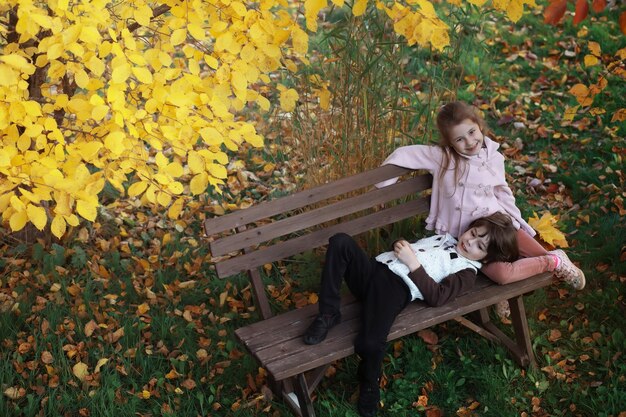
(124, 124)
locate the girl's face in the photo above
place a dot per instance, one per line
(473, 244)
(466, 138)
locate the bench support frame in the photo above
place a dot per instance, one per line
(246, 240)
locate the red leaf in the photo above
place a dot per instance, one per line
(622, 22)
(598, 5)
(582, 9)
(554, 12)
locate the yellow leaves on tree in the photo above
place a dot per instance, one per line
(288, 99)
(513, 8)
(545, 227)
(142, 95)
(311, 10)
(421, 26)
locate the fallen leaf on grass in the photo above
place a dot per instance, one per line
(80, 370)
(172, 374)
(397, 348)
(428, 336)
(115, 336)
(90, 327)
(100, 364)
(433, 412)
(142, 309)
(46, 357)
(189, 384)
(555, 335)
(23, 348)
(14, 393)
(545, 227)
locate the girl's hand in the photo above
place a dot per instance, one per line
(405, 254)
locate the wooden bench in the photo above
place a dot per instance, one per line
(278, 229)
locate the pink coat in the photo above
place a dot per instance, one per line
(481, 190)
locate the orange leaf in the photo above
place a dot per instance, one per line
(433, 412)
(46, 357)
(142, 309)
(594, 48)
(582, 9)
(622, 22)
(583, 95)
(172, 374)
(115, 336)
(579, 90)
(619, 116)
(90, 327)
(555, 335)
(428, 336)
(189, 384)
(554, 12)
(422, 401)
(24, 348)
(598, 5)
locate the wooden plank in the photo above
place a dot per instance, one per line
(300, 199)
(318, 238)
(292, 356)
(260, 296)
(292, 324)
(346, 206)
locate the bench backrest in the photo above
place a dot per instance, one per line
(278, 229)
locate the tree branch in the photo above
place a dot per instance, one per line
(156, 12)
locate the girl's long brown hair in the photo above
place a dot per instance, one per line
(449, 116)
(502, 245)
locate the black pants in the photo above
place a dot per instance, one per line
(381, 292)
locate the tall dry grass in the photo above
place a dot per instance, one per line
(384, 94)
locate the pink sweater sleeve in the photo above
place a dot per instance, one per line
(505, 198)
(413, 157)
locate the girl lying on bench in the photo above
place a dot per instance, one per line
(435, 269)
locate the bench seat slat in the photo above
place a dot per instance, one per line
(346, 206)
(301, 199)
(289, 356)
(318, 238)
(288, 340)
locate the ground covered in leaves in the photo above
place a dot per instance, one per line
(125, 317)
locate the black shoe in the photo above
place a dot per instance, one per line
(369, 397)
(318, 330)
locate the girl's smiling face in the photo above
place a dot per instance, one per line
(473, 244)
(466, 138)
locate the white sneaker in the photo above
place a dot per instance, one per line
(568, 272)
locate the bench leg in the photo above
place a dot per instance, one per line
(520, 326)
(521, 348)
(301, 388)
(303, 385)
